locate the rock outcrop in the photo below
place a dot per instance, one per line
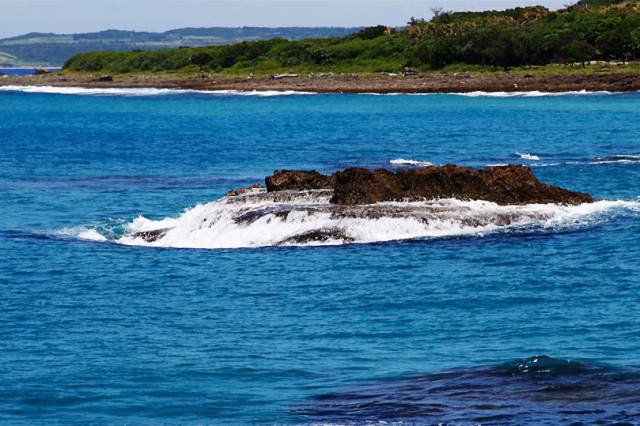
(151, 236)
(240, 191)
(318, 236)
(514, 184)
(298, 180)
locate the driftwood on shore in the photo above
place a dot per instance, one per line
(280, 76)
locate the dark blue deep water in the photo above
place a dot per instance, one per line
(532, 325)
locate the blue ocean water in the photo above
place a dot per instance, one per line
(443, 328)
(22, 71)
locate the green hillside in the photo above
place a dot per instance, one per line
(54, 49)
(591, 30)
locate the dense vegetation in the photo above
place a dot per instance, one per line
(55, 49)
(588, 30)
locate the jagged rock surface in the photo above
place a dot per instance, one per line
(514, 184)
(151, 236)
(239, 191)
(283, 180)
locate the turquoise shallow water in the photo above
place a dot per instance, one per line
(421, 330)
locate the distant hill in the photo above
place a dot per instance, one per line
(598, 30)
(48, 49)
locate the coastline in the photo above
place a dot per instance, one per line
(424, 83)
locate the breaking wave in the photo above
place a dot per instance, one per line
(549, 160)
(530, 160)
(529, 94)
(301, 218)
(151, 91)
(484, 94)
(408, 162)
(144, 91)
(623, 158)
(608, 159)
(530, 157)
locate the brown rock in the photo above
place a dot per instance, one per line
(514, 184)
(356, 185)
(240, 191)
(283, 180)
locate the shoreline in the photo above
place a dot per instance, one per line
(426, 83)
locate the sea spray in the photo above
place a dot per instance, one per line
(299, 218)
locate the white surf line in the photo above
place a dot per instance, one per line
(151, 91)
(531, 94)
(140, 91)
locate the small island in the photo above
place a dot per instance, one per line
(360, 193)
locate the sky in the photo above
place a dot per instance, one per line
(73, 16)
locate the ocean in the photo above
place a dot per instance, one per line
(23, 71)
(459, 319)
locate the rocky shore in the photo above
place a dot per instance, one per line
(423, 83)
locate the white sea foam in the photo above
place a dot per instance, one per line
(545, 164)
(144, 91)
(620, 158)
(515, 94)
(530, 157)
(528, 94)
(408, 162)
(91, 234)
(81, 232)
(611, 159)
(259, 220)
(627, 156)
(603, 160)
(150, 91)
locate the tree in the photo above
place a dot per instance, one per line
(438, 52)
(501, 52)
(635, 43)
(201, 59)
(579, 51)
(372, 32)
(441, 16)
(615, 44)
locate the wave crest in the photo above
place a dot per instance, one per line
(529, 94)
(298, 218)
(530, 157)
(144, 91)
(409, 162)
